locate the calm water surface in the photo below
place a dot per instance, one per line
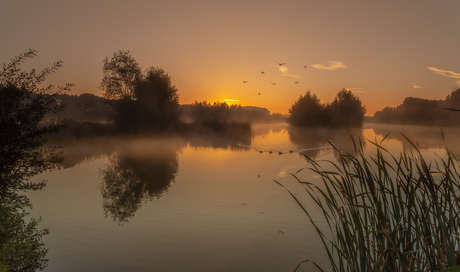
(198, 205)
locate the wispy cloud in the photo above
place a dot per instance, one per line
(289, 75)
(445, 73)
(284, 72)
(416, 86)
(332, 65)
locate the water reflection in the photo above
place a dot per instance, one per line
(233, 138)
(423, 136)
(312, 141)
(137, 175)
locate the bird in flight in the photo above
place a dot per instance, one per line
(263, 72)
(259, 93)
(280, 64)
(296, 82)
(305, 66)
(273, 83)
(451, 109)
(244, 81)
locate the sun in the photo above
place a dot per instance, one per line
(231, 101)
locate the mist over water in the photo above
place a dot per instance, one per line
(203, 204)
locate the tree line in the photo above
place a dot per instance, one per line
(418, 111)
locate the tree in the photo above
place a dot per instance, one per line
(23, 107)
(346, 110)
(141, 101)
(307, 111)
(120, 74)
(157, 100)
(204, 112)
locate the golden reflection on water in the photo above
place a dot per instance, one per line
(217, 208)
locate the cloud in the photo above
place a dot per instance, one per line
(415, 86)
(296, 76)
(445, 72)
(332, 65)
(283, 70)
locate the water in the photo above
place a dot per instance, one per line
(198, 205)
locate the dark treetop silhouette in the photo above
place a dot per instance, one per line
(142, 102)
(345, 111)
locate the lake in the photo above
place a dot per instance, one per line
(209, 204)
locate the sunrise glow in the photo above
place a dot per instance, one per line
(264, 57)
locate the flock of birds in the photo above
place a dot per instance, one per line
(273, 83)
(284, 152)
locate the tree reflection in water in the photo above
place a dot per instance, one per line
(314, 140)
(135, 177)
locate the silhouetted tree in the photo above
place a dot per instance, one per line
(157, 100)
(307, 111)
(120, 74)
(142, 102)
(346, 110)
(23, 105)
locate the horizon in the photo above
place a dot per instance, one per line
(217, 51)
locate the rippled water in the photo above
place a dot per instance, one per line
(199, 204)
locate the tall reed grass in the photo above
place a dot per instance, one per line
(388, 213)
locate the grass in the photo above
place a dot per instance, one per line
(388, 213)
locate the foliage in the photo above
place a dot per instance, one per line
(345, 111)
(388, 213)
(120, 74)
(418, 111)
(207, 112)
(142, 101)
(20, 241)
(307, 111)
(221, 112)
(84, 107)
(157, 100)
(23, 106)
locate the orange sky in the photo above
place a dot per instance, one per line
(383, 50)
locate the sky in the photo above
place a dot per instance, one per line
(383, 51)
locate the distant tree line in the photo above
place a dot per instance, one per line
(345, 111)
(202, 112)
(83, 107)
(418, 111)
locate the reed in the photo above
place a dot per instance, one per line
(388, 213)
